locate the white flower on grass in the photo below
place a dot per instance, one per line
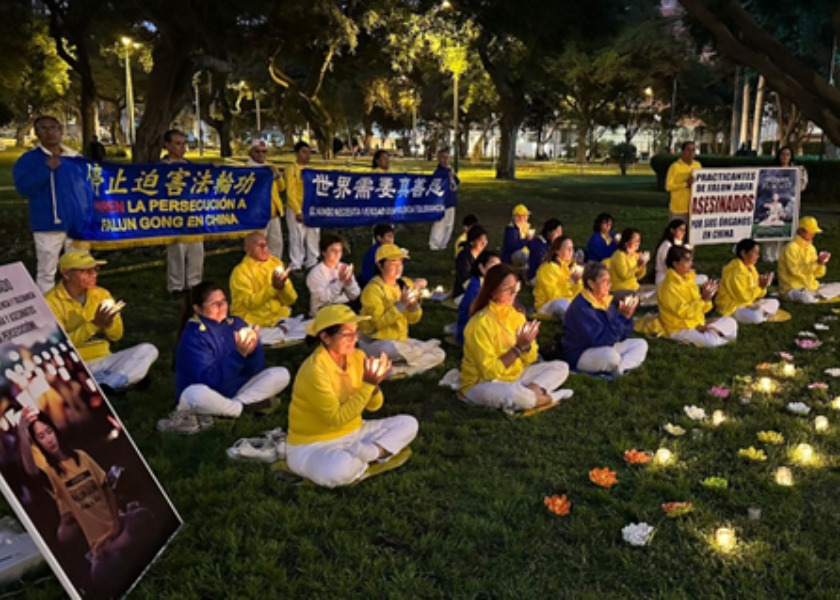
(674, 430)
(834, 372)
(799, 408)
(695, 413)
(821, 327)
(637, 534)
(807, 334)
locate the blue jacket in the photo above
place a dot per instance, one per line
(452, 198)
(369, 270)
(512, 242)
(57, 198)
(597, 248)
(585, 326)
(207, 354)
(537, 249)
(464, 308)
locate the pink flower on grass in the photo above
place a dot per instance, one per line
(718, 391)
(818, 385)
(808, 343)
(786, 356)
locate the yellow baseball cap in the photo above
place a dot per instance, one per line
(332, 314)
(78, 259)
(390, 251)
(520, 209)
(810, 225)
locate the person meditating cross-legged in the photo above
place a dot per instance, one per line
(500, 368)
(800, 267)
(329, 443)
(558, 279)
(742, 289)
(627, 265)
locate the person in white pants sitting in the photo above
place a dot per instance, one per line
(500, 368)
(329, 443)
(596, 330)
(683, 305)
(800, 267)
(219, 362)
(558, 279)
(742, 289)
(92, 321)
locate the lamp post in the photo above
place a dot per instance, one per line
(129, 88)
(199, 133)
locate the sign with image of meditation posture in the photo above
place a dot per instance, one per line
(728, 205)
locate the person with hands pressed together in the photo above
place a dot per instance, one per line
(800, 267)
(331, 281)
(329, 443)
(558, 279)
(499, 368)
(518, 234)
(627, 265)
(742, 290)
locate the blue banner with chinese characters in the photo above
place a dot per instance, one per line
(165, 203)
(344, 199)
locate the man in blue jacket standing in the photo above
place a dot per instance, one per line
(56, 190)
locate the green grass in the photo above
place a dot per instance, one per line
(464, 517)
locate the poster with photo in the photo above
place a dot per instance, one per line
(68, 467)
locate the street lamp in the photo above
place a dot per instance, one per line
(649, 95)
(455, 60)
(198, 133)
(129, 87)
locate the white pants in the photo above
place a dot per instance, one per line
(303, 243)
(48, 247)
(124, 368)
(770, 251)
(343, 460)
(442, 230)
(616, 359)
(184, 266)
(293, 330)
(418, 355)
(727, 326)
(204, 400)
(514, 395)
(274, 237)
(826, 291)
(555, 308)
(766, 307)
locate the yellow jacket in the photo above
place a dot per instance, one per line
(738, 287)
(379, 302)
(461, 238)
(798, 267)
(327, 401)
(277, 202)
(554, 281)
(680, 304)
(294, 188)
(625, 271)
(677, 183)
(77, 320)
(253, 298)
(490, 333)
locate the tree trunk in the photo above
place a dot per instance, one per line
(20, 134)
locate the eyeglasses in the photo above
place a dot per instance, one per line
(348, 334)
(511, 289)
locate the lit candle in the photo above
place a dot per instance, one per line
(821, 423)
(663, 457)
(725, 538)
(784, 476)
(804, 454)
(718, 417)
(765, 384)
(835, 404)
(788, 370)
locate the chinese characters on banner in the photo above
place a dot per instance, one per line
(344, 199)
(155, 203)
(728, 205)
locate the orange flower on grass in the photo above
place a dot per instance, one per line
(559, 505)
(603, 477)
(636, 457)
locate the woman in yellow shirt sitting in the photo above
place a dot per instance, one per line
(628, 265)
(558, 279)
(742, 289)
(683, 305)
(329, 443)
(499, 369)
(393, 303)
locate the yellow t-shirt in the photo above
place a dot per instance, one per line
(738, 287)
(253, 298)
(77, 320)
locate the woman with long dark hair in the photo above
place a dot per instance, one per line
(485, 261)
(558, 279)
(475, 245)
(673, 235)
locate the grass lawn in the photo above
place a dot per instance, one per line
(465, 517)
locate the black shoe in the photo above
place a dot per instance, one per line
(255, 407)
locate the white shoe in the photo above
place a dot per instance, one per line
(260, 449)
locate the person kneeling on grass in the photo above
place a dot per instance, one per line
(800, 267)
(596, 330)
(329, 443)
(499, 369)
(558, 279)
(92, 321)
(393, 303)
(683, 305)
(219, 362)
(742, 289)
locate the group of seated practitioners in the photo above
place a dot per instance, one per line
(467, 223)
(474, 245)
(486, 260)
(219, 361)
(627, 265)
(517, 236)
(392, 303)
(742, 290)
(383, 233)
(332, 281)
(329, 443)
(539, 245)
(683, 305)
(601, 243)
(800, 267)
(499, 367)
(596, 330)
(92, 321)
(558, 279)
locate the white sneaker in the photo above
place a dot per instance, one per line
(180, 421)
(260, 449)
